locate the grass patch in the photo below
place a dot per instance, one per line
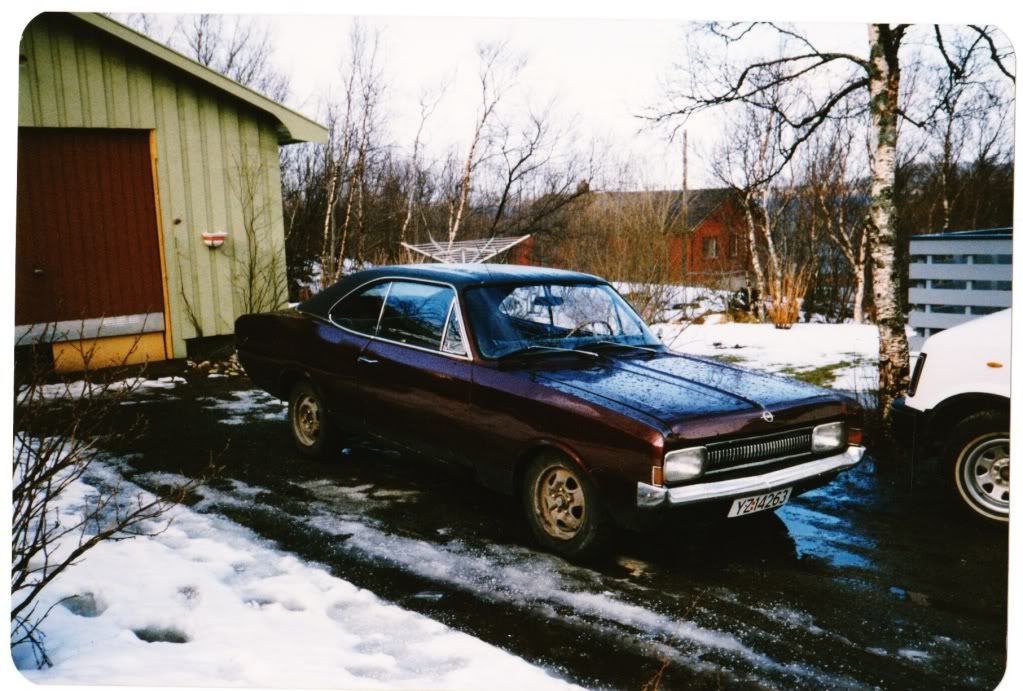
(819, 376)
(728, 359)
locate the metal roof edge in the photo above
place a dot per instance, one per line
(982, 234)
(296, 127)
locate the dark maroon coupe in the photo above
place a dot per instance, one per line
(547, 385)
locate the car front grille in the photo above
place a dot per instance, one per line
(728, 455)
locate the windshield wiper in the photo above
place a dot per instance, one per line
(542, 348)
(627, 345)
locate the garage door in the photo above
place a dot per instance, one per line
(87, 240)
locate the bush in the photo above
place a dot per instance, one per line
(56, 429)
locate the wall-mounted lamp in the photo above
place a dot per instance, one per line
(214, 238)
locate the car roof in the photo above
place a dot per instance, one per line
(458, 275)
(478, 274)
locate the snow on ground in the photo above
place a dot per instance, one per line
(245, 405)
(845, 355)
(515, 575)
(209, 603)
(81, 387)
(682, 301)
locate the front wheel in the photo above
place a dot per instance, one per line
(562, 507)
(311, 430)
(979, 458)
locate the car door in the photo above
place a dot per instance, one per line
(415, 376)
(352, 322)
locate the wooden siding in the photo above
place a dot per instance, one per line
(212, 151)
(86, 226)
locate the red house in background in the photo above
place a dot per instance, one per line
(714, 246)
(705, 246)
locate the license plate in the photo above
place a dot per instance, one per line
(761, 502)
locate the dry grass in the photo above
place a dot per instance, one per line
(786, 296)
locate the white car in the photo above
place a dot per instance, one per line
(957, 408)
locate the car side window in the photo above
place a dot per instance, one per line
(415, 313)
(360, 311)
(453, 335)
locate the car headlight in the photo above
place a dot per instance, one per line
(828, 437)
(684, 464)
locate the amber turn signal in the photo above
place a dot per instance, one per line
(855, 437)
(657, 476)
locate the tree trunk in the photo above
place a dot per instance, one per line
(455, 223)
(751, 246)
(327, 249)
(773, 269)
(893, 364)
(860, 267)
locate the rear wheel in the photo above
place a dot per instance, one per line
(562, 507)
(978, 456)
(311, 430)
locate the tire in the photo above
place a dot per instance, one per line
(562, 507)
(311, 428)
(978, 460)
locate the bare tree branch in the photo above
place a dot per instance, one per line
(996, 58)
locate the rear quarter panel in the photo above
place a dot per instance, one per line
(273, 344)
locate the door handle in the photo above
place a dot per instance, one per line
(367, 360)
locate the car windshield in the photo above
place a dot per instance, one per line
(511, 318)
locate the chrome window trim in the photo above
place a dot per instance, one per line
(447, 323)
(447, 328)
(407, 279)
(383, 306)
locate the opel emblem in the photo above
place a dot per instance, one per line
(767, 416)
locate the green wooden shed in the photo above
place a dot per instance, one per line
(149, 195)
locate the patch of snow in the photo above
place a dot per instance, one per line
(682, 301)
(208, 603)
(247, 405)
(515, 575)
(792, 618)
(81, 387)
(915, 655)
(804, 347)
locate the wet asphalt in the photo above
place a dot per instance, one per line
(854, 585)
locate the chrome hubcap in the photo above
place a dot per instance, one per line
(559, 502)
(986, 475)
(306, 420)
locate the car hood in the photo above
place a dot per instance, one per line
(673, 388)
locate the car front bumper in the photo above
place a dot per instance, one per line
(652, 497)
(906, 424)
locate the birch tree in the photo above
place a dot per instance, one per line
(747, 162)
(413, 172)
(824, 82)
(834, 190)
(498, 69)
(352, 129)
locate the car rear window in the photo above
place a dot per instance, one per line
(360, 311)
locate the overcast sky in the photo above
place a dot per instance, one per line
(598, 74)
